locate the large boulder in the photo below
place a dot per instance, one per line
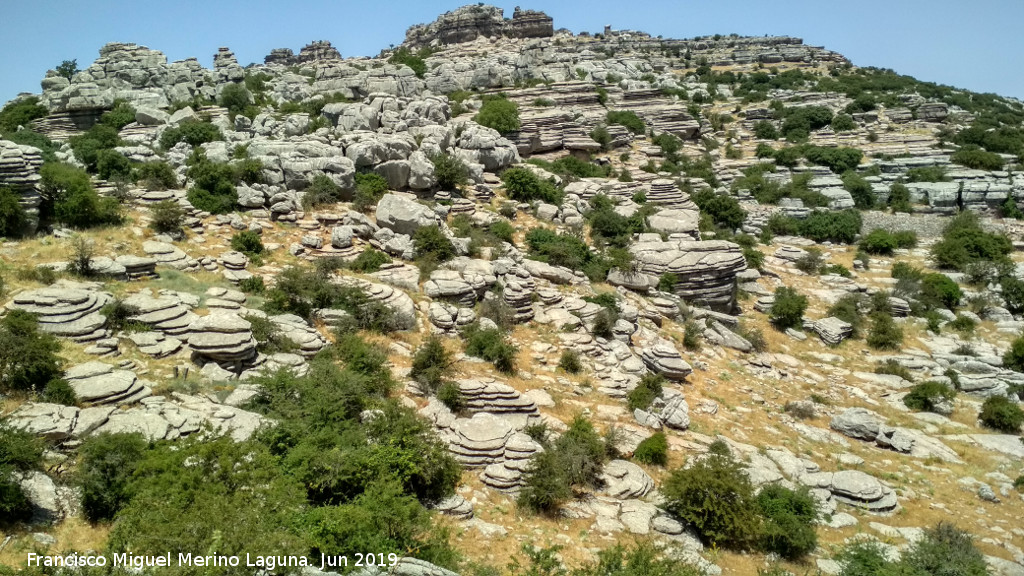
(402, 214)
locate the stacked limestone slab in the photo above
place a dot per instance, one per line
(19, 170)
(66, 309)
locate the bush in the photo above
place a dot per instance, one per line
(247, 242)
(602, 137)
(965, 242)
(714, 496)
(368, 261)
(322, 190)
(649, 388)
(236, 98)
(692, 335)
(14, 505)
(927, 174)
(405, 56)
(156, 175)
(843, 123)
(1002, 414)
(1014, 357)
(499, 113)
(788, 309)
(70, 198)
(839, 160)
(899, 198)
(108, 462)
(724, 210)
(652, 450)
(810, 263)
(450, 171)
(370, 188)
(859, 189)
(945, 549)
(884, 333)
(112, 165)
(13, 219)
(214, 187)
(848, 309)
(843, 226)
(557, 249)
(252, 285)
(431, 364)
(878, 241)
(491, 345)
(974, 157)
(20, 451)
(627, 118)
(667, 282)
(166, 217)
(789, 516)
(940, 290)
(502, 230)
(430, 243)
(573, 460)
(927, 395)
(570, 362)
(545, 485)
(191, 132)
(522, 185)
(765, 130)
(28, 356)
(21, 113)
(119, 314)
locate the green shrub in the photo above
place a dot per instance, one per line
(121, 115)
(965, 242)
(894, 368)
(927, 174)
(652, 450)
(839, 160)
(405, 56)
(522, 185)
(112, 165)
(557, 249)
(247, 242)
(108, 462)
(573, 460)
(322, 190)
(765, 130)
(905, 238)
(88, 145)
(236, 98)
(789, 516)
(502, 230)
(692, 335)
(724, 210)
(667, 282)
(450, 171)
(28, 356)
(545, 484)
(368, 261)
(249, 170)
(1001, 414)
(878, 241)
(945, 549)
(431, 364)
(19, 449)
(430, 242)
(268, 335)
(214, 187)
(13, 219)
(974, 157)
(70, 198)
(927, 395)
(715, 496)
(848, 309)
(810, 263)
(47, 148)
(627, 118)
(370, 188)
(191, 132)
(884, 333)
(166, 217)
(963, 324)
(799, 122)
(649, 388)
(859, 189)
(156, 175)
(899, 198)
(491, 345)
(570, 362)
(843, 123)
(602, 137)
(788, 309)
(1014, 357)
(21, 113)
(364, 358)
(499, 113)
(252, 285)
(940, 290)
(14, 505)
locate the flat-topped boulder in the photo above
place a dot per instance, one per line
(468, 23)
(66, 309)
(100, 383)
(704, 271)
(222, 336)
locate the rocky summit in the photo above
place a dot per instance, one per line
(510, 298)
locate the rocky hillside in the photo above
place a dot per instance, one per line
(509, 299)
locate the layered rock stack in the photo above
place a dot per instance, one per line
(399, 302)
(67, 309)
(494, 397)
(167, 313)
(507, 475)
(317, 51)
(854, 488)
(19, 170)
(664, 192)
(468, 23)
(97, 383)
(661, 357)
(831, 330)
(518, 294)
(223, 337)
(705, 271)
(137, 267)
(169, 255)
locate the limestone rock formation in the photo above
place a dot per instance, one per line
(468, 23)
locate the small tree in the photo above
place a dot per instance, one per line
(450, 172)
(499, 113)
(788, 309)
(12, 216)
(652, 450)
(67, 68)
(166, 217)
(108, 462)
(884, 333)
(28, 356)
(431, 364)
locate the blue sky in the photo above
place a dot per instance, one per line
(975, 45)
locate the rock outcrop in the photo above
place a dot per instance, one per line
(468, 23)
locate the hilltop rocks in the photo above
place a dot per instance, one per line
(66, 309)
(704, 271)
(169, 255)
(468, 23)
(19, 170)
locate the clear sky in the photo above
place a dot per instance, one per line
(976, 45)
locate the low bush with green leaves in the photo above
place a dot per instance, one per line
(191, 132)
(213, 188)
(450, 171)
(570, 362)
(788, 309)
(572, 461)
(432, 364)
(523, 185)
(1001, 414)
(491, 345)
(929, 396)
(965, 242)
(499, 113)
(646, 391)
(652, 450)
(69, 198)
(247, 242)
(884, 333)
(627, 118)
(368, 261)
(13, 219)
(20, 451)
(28, 355)
(166, 217)
(943, 549)
(788, 517)
(974, 157)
